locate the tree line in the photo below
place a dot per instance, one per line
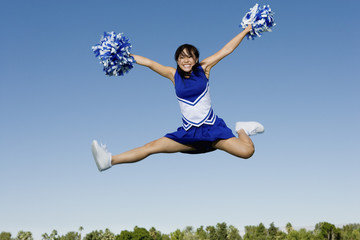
(221, 231)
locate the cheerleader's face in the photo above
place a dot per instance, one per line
(186, 61)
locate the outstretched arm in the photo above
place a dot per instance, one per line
(164, 71)
(211, 61)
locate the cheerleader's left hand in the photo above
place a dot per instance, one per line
(248, 28)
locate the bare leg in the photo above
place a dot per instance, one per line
(161, 145)
(241, 147)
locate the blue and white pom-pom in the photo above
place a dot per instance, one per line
(114, 53)
(261, 19)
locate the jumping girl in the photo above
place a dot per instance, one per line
(202, 131)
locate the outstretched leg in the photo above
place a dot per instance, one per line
(161, 145)
(241, 147)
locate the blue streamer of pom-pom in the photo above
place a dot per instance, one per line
(114, 53)
(261, 19)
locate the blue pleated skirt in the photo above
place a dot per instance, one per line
(202, 138)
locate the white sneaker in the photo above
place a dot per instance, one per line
(101, 155)
(251, 128)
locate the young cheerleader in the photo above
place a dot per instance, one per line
(202, 130)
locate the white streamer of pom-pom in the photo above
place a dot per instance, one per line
(114, 53)
(261, 19)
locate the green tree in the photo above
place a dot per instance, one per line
(289, 227)
(125, 235)
(177, 235)
(356, 234)
(152, 233)
(24, 236)
(302, 234)
(350, 232)
(108, 235)
(5, 236)
(281, 235)
(45, 236)
(189, 233)
(306, 235)
(201, 233)
(94, 235)
(233, 233)
(165, 237)
(211, 232)
(155, 234)
(293, 235)
(325, 230)
(261, 232)
(250, 233)
(52, 236)
(255, 232)
(80, 230)
(141, 234)
(70, 236)
(272, 232)
(221, 231)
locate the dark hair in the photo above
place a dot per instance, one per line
(194, 53)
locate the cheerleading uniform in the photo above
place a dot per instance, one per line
(201, 127)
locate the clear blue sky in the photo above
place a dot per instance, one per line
(301, 81)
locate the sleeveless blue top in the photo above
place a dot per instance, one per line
(193, 94)
(201, 127)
